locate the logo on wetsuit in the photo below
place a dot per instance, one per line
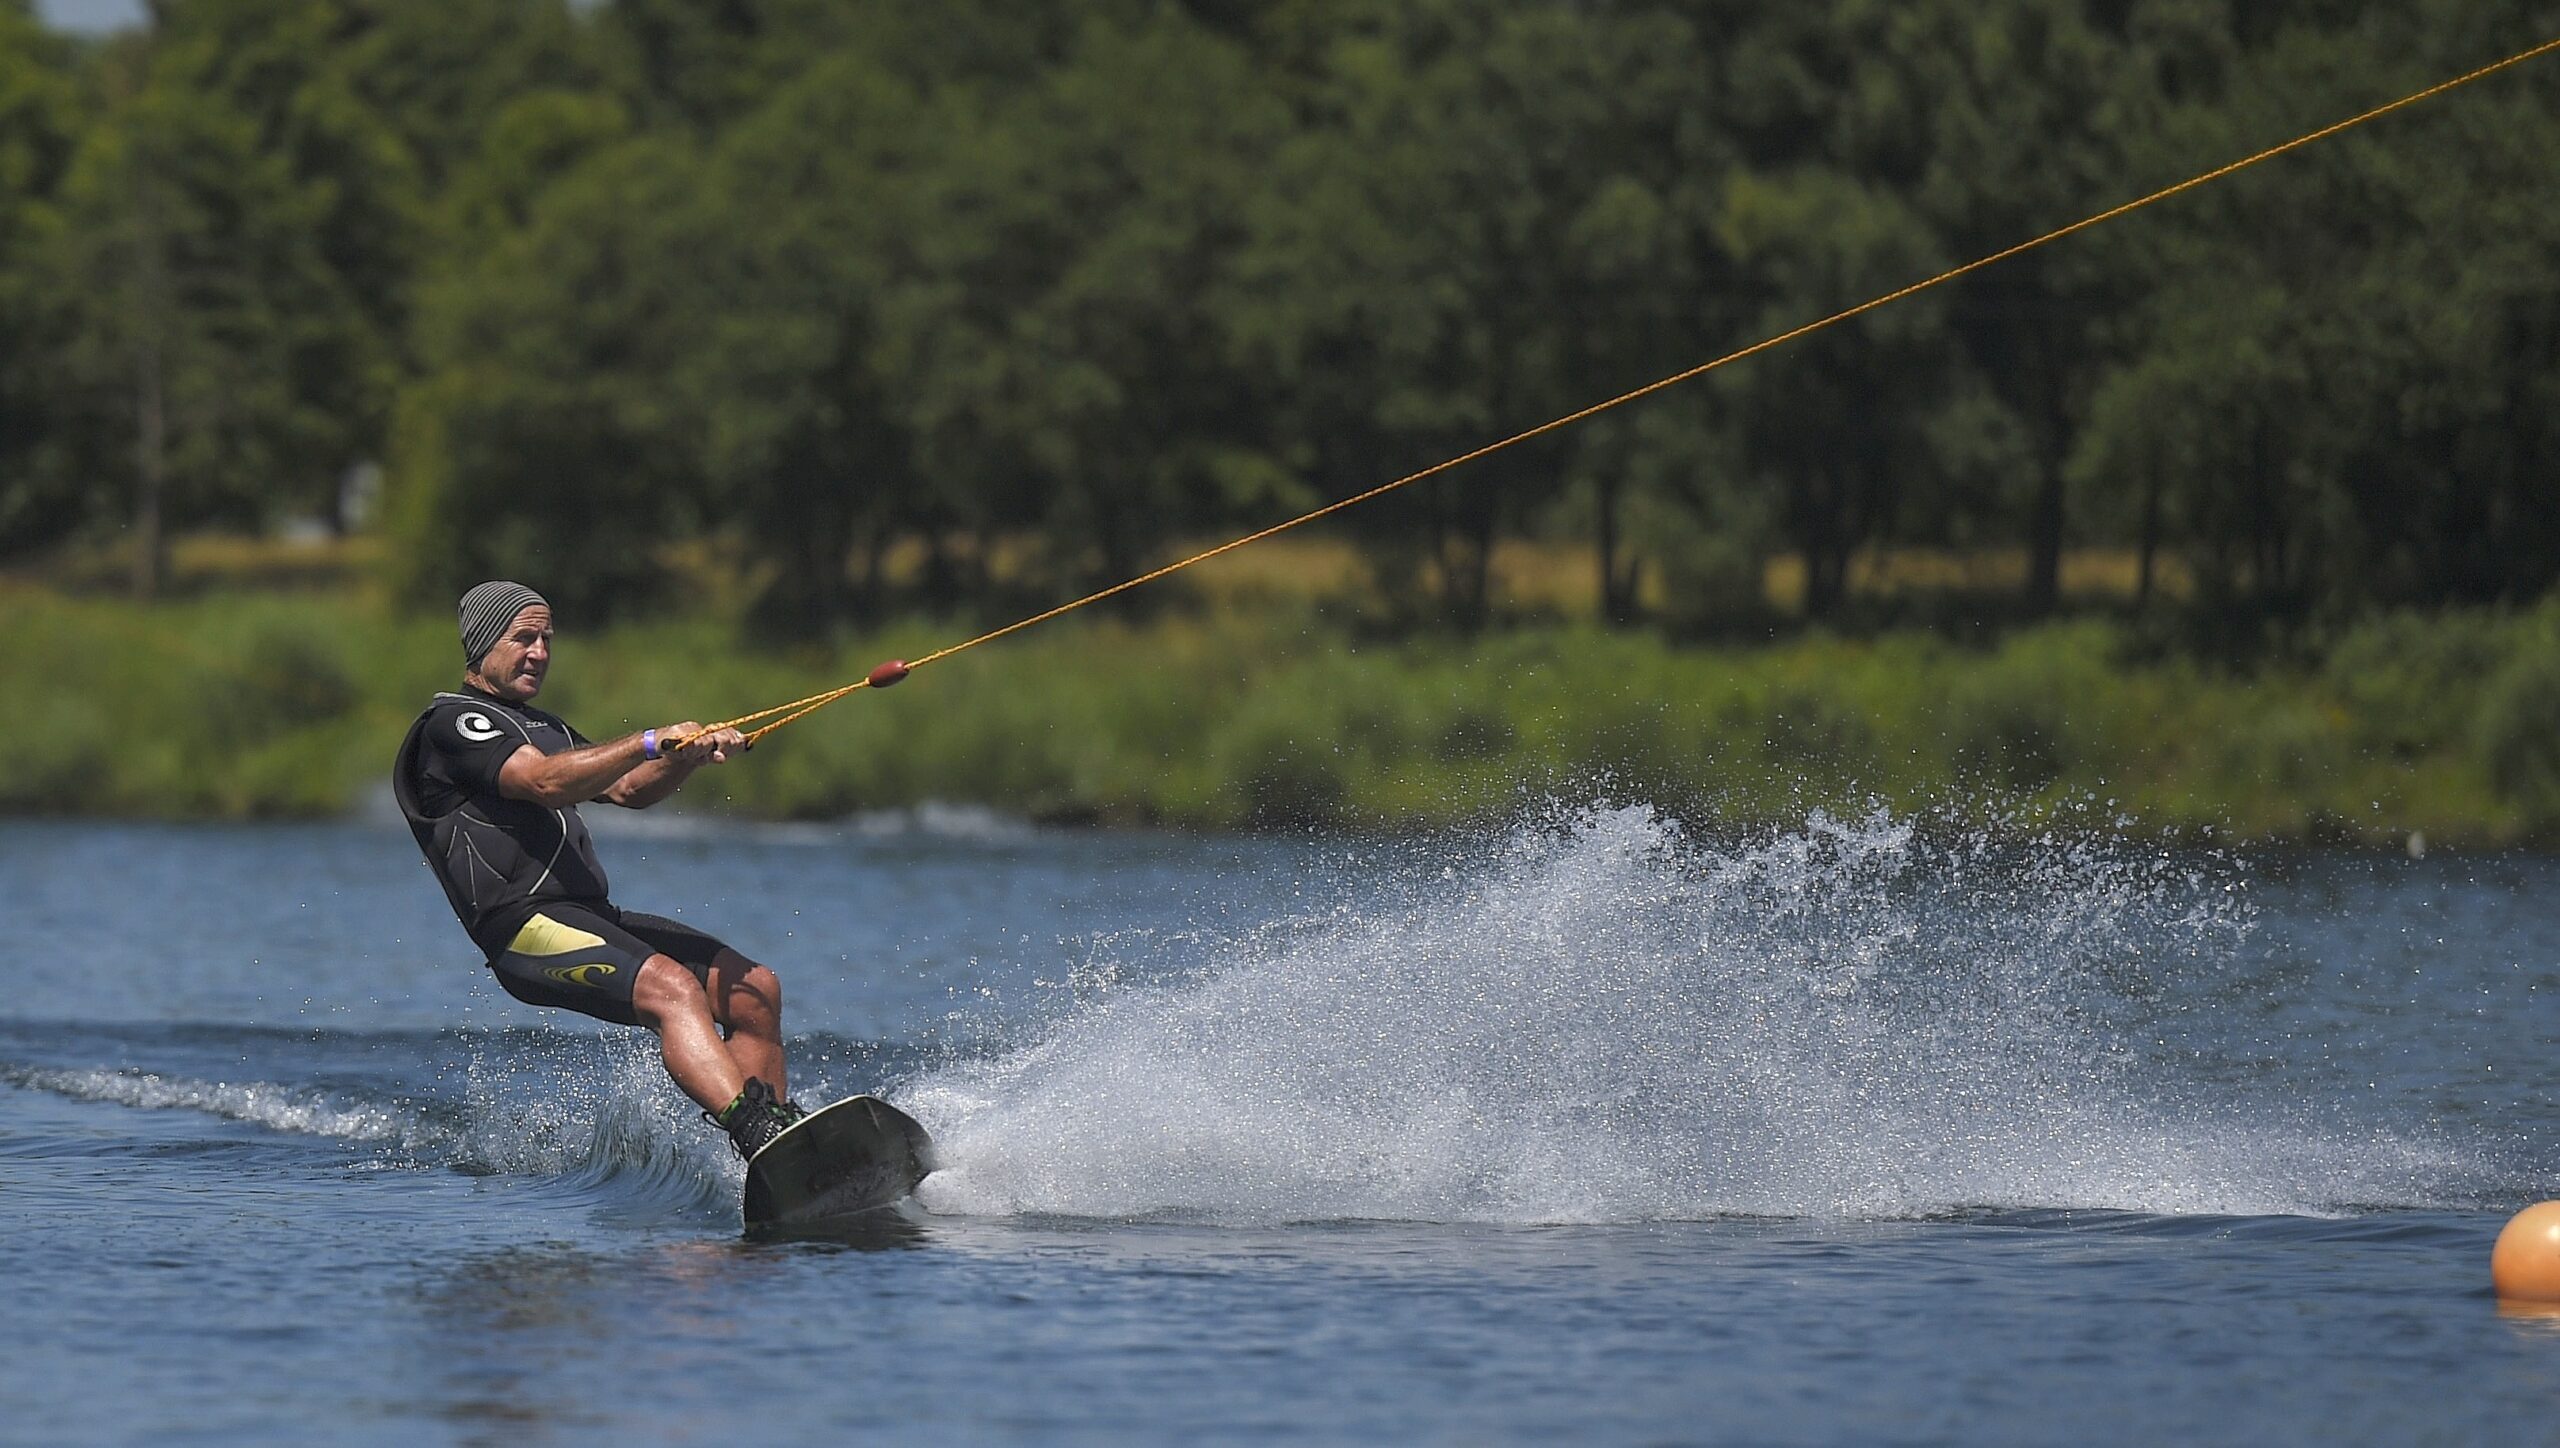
(580, 975)
(476, 728)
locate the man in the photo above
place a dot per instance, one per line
(491, 787)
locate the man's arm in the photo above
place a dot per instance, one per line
(617, 771)
(663, 776)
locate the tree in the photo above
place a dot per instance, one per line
(1836, 422)
(2021, 103)
(336, 286)
(194, 293)
(2333, 381)
(547, 437)
(1442, 255)
(40, 501)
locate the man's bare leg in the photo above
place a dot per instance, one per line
(671, 1002)
(747, 998)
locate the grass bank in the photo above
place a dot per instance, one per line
(290, 704)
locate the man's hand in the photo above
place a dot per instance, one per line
(643, 785)
(701, 746)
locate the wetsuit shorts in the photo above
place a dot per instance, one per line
(586, 957)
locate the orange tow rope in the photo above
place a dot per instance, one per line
(895, 669)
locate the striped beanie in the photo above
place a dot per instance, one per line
(485, 613)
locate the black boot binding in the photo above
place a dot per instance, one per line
(755, 1118)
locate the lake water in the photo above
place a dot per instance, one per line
(1583, 1130)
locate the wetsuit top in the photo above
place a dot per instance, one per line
(501, 859)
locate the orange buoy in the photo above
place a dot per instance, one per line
(2525, 1265)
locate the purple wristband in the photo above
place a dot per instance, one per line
(648, 743)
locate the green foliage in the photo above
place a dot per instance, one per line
(276, 705)
(2413, 683)
(38, 122)
(283, 704)
(2019, 722)
(549, 447)
(2517, 729)
(957, 308)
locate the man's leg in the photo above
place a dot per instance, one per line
(747, 998)
(670, 1001)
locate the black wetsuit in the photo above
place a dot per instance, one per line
(523, 877)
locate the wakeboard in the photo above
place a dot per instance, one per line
(835, 1164)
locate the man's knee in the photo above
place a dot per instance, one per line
(666, 990)
(751, 992)
(759, 994)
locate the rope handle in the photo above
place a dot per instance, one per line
(881, 676)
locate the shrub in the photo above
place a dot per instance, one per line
(2016, 721)
(2519, 730)
(1279, 755)
(274, 668)
(1808, 730)
(2292, 751)
(61, 768)
(2414, 682)
(238, 706)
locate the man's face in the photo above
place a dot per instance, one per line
(514, 666)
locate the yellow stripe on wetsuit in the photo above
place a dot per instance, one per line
(543, 935)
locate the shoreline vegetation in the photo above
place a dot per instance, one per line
(769, 341)
(1236, 711)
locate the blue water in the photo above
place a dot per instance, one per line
(1583, 1130)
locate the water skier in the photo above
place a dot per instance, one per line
(491, 788)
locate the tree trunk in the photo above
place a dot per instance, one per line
(1118, 558)
(1822, 535)
(1443, 557)
(2024, 338)
(1617, 585)
(150, 405)
(823, 546)
(940, 583)
(2045, 525)
(2150, 545)
(2044, 546)
(871, 591)
(1826, 574)
(150, 457)
(1466, 566)
(1474, 592)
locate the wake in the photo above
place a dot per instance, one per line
(1597, 1019)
